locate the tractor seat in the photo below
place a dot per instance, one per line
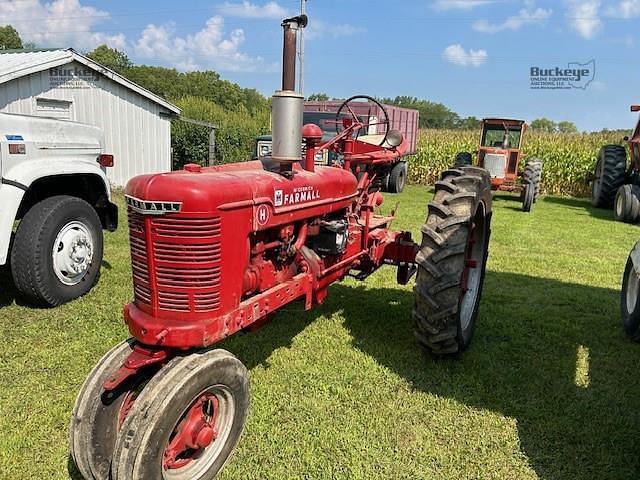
(374, 140)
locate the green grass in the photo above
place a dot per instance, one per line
(549, 388)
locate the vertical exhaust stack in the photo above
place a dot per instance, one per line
(287, 103)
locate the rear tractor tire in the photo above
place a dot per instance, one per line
(627, 204)
(528, 196)
(609, 175)
(463, 159)
(533, 175)
(187, 421)
(630, 300)
(452, 261)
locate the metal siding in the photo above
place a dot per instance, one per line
(134, 131)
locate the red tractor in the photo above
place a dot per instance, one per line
(616, 181)
(500, 154)
(218, 250)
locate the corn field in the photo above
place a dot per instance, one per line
(566, 157)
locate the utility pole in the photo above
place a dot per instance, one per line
(303, 9)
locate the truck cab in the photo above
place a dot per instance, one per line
(56, 201)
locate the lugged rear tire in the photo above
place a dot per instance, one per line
(610, 175)
(533, 175)
(455, 235)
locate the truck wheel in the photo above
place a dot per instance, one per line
(452, 260)
(186, 422)
(627, 204)
(630, 301)
(609, 175)
(463, 159)
(97, 415)
(398, 177)
(57, 251)
(533, 175)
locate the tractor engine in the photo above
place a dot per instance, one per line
(204, 240)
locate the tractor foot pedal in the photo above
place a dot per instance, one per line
(405, 273)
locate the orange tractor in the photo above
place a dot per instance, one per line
(500, 153)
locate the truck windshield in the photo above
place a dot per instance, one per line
(497, 135)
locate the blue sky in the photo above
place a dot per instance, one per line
(472, 55)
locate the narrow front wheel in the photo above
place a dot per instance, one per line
(187, 421)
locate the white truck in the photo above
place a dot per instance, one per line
(55, 201)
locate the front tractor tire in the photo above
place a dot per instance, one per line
(626, 207)
(452, 261)
(57, 251)
(97, 415)
(186, 422)
(609, 175)
(630, 299)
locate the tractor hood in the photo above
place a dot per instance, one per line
(232, 186)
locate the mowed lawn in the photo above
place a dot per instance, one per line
(550, 387)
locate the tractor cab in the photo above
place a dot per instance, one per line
(500, 150)
(500, 153)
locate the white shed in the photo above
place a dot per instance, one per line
(65, 84)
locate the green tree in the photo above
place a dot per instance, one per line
(318, 97)
(544, 125)
(110, 58)
(567, 127)
(9, 38)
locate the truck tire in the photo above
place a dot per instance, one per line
(57, 251)
(398, 178)
(630, 301)
(627, 204)
(609, 175)
(452, 261)
(463, 159)
(204, 390)
(533, 175)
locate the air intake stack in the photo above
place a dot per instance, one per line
(287, 103)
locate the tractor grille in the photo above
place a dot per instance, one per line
(181, 270)
(495, 164)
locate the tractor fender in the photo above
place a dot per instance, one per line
(17, 181)
(635, 258)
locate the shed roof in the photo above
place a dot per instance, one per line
(19, 63)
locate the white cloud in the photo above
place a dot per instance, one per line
(584, 17)
(457, 55)
(270, 10)
(625, 9)
(319, 28)
(209, 47)
(60, 23)
(460, 4)
(524, 17)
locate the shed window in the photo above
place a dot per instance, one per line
(47, 107)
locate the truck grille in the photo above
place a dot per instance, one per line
(181, 270)
(495, 164)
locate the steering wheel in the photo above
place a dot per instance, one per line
(345, 106)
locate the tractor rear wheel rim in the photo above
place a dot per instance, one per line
(633, 287)
(200, 435)
(473, 267)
